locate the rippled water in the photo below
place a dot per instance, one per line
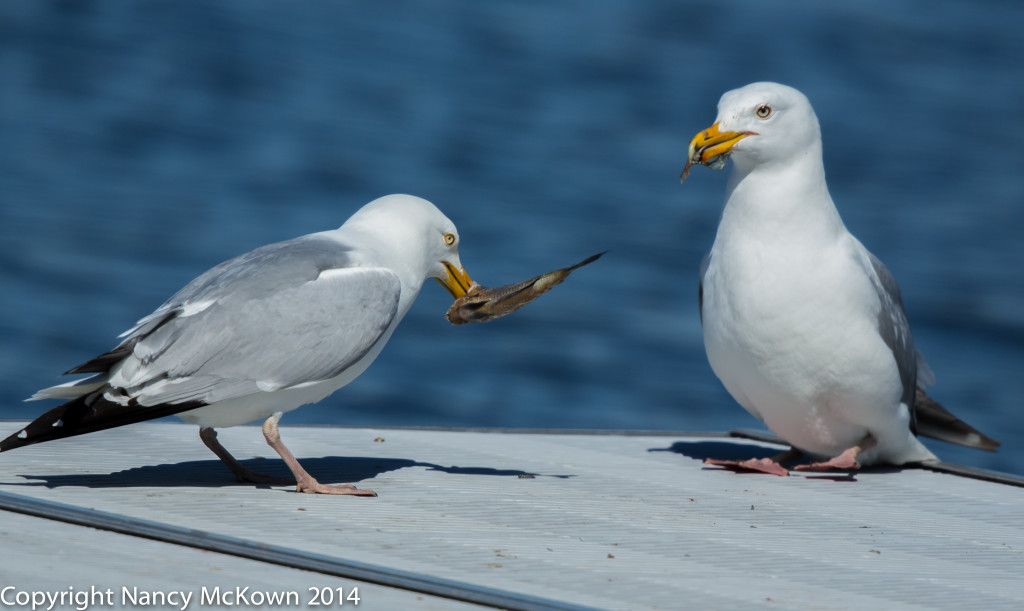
(143, 143)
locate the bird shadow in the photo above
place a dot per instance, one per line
(729, 450)
(213, 473)
(718, 450)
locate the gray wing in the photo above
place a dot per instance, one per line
(700, 287)
(283, 315)
(927, 417)
(895, 331)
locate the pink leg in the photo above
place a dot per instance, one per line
(772, 465)
(846, 461)
(304, 481)
(242, 473)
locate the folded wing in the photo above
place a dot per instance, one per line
(282, 316)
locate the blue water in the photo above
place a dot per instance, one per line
(142, 143)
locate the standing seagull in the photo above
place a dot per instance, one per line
(804, 326)
(264, 333)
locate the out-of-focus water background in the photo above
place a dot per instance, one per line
(142, 143)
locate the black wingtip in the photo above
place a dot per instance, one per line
(103, 362)
(88, 414)
(935, 421)
(44, 428)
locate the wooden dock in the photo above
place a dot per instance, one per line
(493, 519)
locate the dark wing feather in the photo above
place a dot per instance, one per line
(87, 414)
(936, 422)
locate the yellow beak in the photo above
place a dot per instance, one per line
(458, 282)
(709, 145)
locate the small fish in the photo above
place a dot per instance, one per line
(715, 163)
(703, 142)
(482, 304)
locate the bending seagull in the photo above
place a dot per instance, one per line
(804, 327)
(264, 333)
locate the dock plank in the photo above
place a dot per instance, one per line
(600, 521)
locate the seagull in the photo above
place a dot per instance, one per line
(264, 333)
(802, 324)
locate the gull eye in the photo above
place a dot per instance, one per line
(764, 111)
(449, 238)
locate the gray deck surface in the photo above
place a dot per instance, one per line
(607, 521)
(86, 558)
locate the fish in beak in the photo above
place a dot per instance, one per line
(484, 304)
(711, 147)
(457, 282)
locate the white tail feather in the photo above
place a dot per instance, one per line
(70, 390)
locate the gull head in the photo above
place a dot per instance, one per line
(413, 238)
(759, 123)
